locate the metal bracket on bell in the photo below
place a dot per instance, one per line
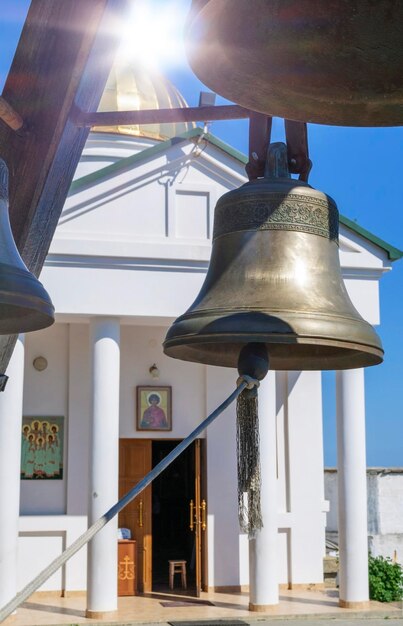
(296, 134)
(277, 162)
(298, 160)
(259, 140)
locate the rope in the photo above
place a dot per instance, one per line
(248, 460)
(29, 589)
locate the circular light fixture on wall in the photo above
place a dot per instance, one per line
(40, 363)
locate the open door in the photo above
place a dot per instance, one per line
(134, 463)
(158, 517)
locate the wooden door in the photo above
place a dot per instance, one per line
(135, 462)
(203, 493)
(198, 520)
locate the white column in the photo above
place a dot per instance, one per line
(352, 489)
(104, 464)
(10, 459)
(263, 569)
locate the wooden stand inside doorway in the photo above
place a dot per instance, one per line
(127, 568)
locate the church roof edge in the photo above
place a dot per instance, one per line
(393, 253)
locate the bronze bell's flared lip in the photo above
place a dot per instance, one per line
(216, 338)
(24, 303)
(315, 61)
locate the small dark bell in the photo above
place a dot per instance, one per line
(24, 303)
(274, 278)
(329, 62)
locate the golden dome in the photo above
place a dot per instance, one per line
(133, 88)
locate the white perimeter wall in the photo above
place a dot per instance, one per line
(385, 510)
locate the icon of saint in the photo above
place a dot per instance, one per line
(154, 416)
(30, 457)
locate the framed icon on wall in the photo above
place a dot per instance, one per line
(42, 448)
(154, 408)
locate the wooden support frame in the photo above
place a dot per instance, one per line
(163, 116)
(60, 67)
(54, 86)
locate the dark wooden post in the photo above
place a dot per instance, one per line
(60, 68)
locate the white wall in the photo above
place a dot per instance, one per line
(141, 347)
(61, 389)
(390, 499)
(227, 548)
(41, 539)
(300, 471)
(385, 509)
(79, 419)
(46, 395)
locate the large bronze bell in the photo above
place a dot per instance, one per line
(274, 278)
(323, 61)
(24, 303)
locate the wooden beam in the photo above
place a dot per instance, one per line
(60, 67)
(163, 116)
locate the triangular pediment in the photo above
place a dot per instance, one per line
(160, 201)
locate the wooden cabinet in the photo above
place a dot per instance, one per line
(127, 568)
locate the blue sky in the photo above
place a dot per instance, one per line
(359, 167)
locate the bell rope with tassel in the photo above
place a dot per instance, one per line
(253, 365)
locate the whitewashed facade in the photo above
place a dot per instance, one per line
(133, 245)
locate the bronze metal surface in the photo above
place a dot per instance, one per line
(24, 303)
(274, 277)
(329, 62)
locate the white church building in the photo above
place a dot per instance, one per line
(129, 255)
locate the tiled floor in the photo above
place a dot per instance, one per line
(148, 609)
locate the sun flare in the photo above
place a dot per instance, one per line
(153, 34)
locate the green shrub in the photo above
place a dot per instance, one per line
(385, 579)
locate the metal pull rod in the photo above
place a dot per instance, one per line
(29, 589)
